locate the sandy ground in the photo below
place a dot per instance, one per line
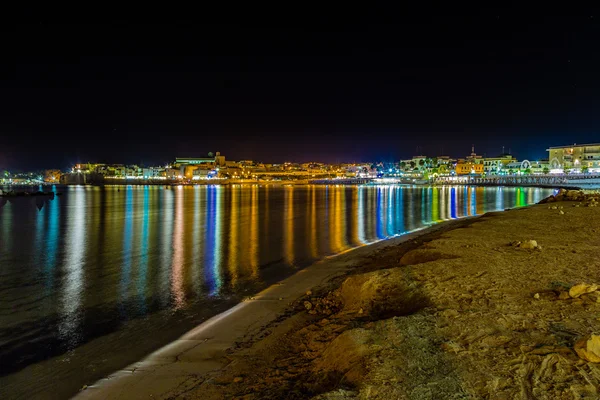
(466, 313)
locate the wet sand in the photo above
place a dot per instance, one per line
(461, 311)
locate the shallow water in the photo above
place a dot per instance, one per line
(92, 280)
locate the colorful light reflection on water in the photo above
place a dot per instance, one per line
(131, 252)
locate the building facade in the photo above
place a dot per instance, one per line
(469, 168)
(582, 156)
(496, 165)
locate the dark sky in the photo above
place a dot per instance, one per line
(360, 91)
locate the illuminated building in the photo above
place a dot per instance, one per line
(495, 165)
(575, 156)
(472, 165)
(187, 165)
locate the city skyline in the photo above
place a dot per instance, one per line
(505, 151)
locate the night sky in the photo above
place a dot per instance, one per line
(353, 92)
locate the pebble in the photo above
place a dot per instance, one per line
(582, 288)
(588, 348)
(528, 244)
(564, 296)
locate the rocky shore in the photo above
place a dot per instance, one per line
(503, 306)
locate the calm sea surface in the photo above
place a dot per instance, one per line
(95, 279)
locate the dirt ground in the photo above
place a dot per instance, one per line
(468, 313)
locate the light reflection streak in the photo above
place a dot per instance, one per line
(166, 244)
(143, 263)
(453, 207)
(390, 212)
(73, 268)
(52, 239)
(254, 237)
(361, 215)
(288, 225)
(233, 234)
(423, 208)
(479, 201)
(314, 247)
(125, 269)
(355, 215)
(466, 202)
(197, 238)
(400, 228)
(435, 205)
(178, 250)
(334, 242)
(214, 205)
(378, 214)
(340, 205)
(499, 199)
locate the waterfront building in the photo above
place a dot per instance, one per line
(473, 164)
(216, 159)
(513, 167)
(153, 173)
(468, 168)
(497, 165)
(188, 165)
(576, 156)
(444, 160)
(540, 167)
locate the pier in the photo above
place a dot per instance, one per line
(553, 180)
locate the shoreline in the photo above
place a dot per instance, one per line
(455, 310)
(264, 308)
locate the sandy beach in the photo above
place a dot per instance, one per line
(500, 306)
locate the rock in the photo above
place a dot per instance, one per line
(238, 379)
(588, 348)
(593, 297)
(307, 305)
(582, 288)
(528, 244)
(308, 293)
(554, 208)
(536, 296)
(561, 212)
(574, 195)
(564, 296)
(383, 294)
